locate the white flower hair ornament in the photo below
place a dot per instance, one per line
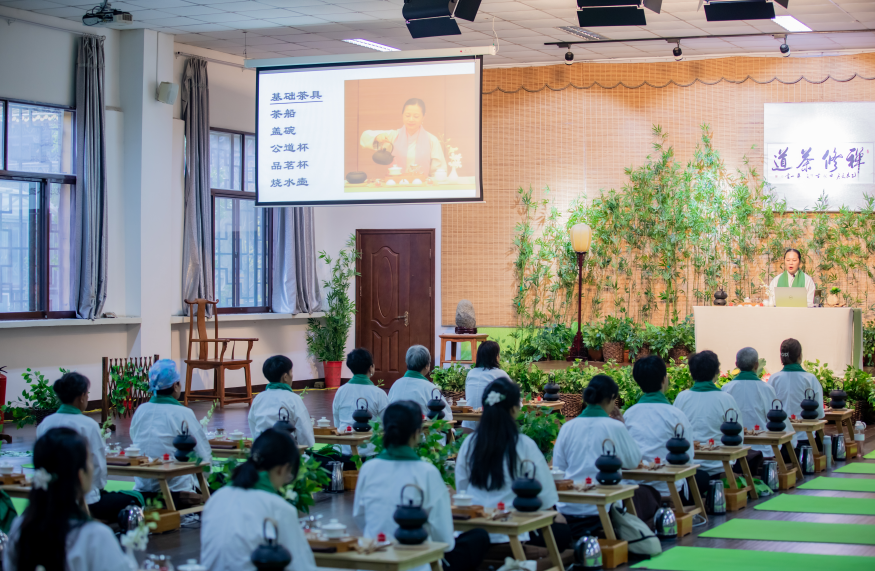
(494, 397)
(42, 479)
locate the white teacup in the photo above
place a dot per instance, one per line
(395, 170)
(334, 529)
(463, 500)
(6, 468)
(323, 423)
(237, 435)
(132, 451)
(557, 474)
(461, 402)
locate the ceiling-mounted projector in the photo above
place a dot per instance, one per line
(104, 15)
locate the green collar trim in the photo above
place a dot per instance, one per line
(360, 380)
(264, 484)
(593, 411)
(68, 409)
(798, 279)
(704, 387)
(399, 454)
(163, 399)
(279, 387)
(654, 398)
(746, 376)
(793, 367)
(414, 375)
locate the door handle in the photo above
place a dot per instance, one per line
(405, 317)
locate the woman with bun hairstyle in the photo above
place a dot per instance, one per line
(72, 390)
(485, 370)
(55, 532)
(380, 482)
(790, 384)
(492, 458)
(233, 519)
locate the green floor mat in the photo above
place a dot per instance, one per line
(20, 504)
(119, 486)
(870, 455)
(840, 484)
(699, 558)
(819, 505)
(857, 468)
(802, 531)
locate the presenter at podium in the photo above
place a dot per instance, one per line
(792, 277)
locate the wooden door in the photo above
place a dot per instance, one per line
(395, 303)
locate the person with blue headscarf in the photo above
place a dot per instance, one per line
(157, 422)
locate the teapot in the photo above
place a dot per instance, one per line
(410, 519)
(731, 430)
(383, 157)
(270, 555)
(551, 392)
(284, 422)
(810, 406)
(677, 447)
(609, 465)
(587, 554)
(665, 524)
(184, 443)
(837, 399)
(362, 417)
(436, 406)
(526, 490)
(776, 417)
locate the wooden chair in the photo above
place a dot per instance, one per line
(197, 335)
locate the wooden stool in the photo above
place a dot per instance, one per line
(518, 524)
(452, 339)
(844, 420)
(736, 498)
(777, 440)
(615, 551)
(812, 427)
(671, 475)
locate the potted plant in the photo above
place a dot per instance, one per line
(869, 344)
(832, 300)
(593, 340)
(682, 337)
(616, 333)
(326, 337)
(36, 402)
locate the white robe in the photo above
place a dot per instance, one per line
(580, 444)
(231, 530)
(437, 153)
(345, 404)
(476, 382)
(755, 400)
(419, 391)
(90, 430)
(809, 288)
(705, 411)
(264, 413)
(790, 388)
(90, 547)
(651, 426)
(153, 429)
(526, 449)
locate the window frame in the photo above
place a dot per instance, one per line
(45, 224)
(268, 230)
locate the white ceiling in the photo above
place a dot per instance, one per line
(277, 28)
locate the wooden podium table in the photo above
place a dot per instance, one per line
(518, 524)
(777, 440)
(615, 551)
(671, 475)
(812, 428)
(736, 498)
(454, 339)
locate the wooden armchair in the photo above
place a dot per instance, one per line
(218, 363)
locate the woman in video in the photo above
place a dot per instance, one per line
(414, 149)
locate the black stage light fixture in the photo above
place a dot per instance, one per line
(610, 13)
(743, 10)
(430, 18)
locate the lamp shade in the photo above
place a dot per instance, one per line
(581, 235)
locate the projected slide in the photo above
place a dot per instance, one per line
(369, 133)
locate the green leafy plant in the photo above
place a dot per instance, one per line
(869, 344)
(312, 478)
(542, 427)
(682, 335)
(828, 380)
(618, 330)
(326, 337)
(857, 383)
(130, 387)
(593, 335)
(679, 378)
(429, 449)
(37, 396)
(450, 379)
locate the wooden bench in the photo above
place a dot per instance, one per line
(671, 475)
(736, 498)
(516, 525)
(615, 551)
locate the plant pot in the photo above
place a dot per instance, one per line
(40, 413)
(677, 352)
(643, 352)
(613, 351)
(626, 356)
(594, 354)
(864, 411)
(350, 479)
(573, 404)
(332, 373)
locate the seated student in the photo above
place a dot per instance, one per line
(157, 422)
(361, 363)
(264, 412)
(790, 384)
(413, 385)
(72, 390)
(754, 397)
(55, 531)
(484, 371)
(375, 501)
(581, 441)
(492, 458)
(233, 518)
(652, 421)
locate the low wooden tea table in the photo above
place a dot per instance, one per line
(844, 419)
(475, 416)
(812, 428)
(241, 454)
(16, 491)
(615, 551)
(516, 525)
(162, 473)
(671, 475)
(736, 498)
(395, 558)
(353, 440)
(777, 440)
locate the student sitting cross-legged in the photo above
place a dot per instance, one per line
(360, 386)
(264, 412)
(55, 531)
(380, 484)
(234, 516)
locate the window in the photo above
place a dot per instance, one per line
(36, 184)
(240, 230)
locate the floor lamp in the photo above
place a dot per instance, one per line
(581, 235)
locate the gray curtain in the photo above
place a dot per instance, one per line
(294, 285)
(89, 226)
(197, 246)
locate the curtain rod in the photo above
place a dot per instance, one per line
(10, 19)
(211, 60)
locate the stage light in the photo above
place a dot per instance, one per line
(740, 10)
(371, 45)
(785, 50)
(569, 57)
(430, 18)
(610, 13)
(790, 24)
(677, 52)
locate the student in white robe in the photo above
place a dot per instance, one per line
(792, 276)
(157, 422)
(55, 531)
(652, 421)
(360, 386)
(791, 383)
(264, 412)
(485, 370)
(234, 516)
(72, 390)
(414, 386)
(754, 397)
(496, 454)
(382, 480)
(582, 440)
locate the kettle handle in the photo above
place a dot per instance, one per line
(809, 391)
(613, 447)
(357, 403)
(439, 394)
(288, 413)
(183, 429)
(726, 414)
(681, 435)
(421, 494)
(276, 533)
(523, 471)
(780, 404)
